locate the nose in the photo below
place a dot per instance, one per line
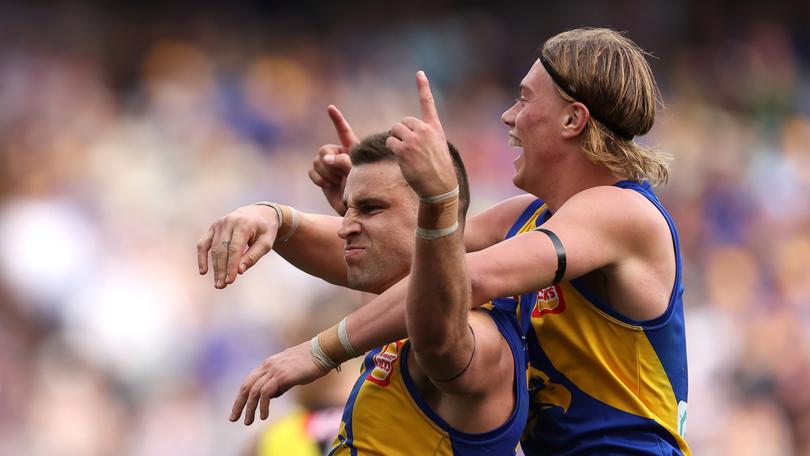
(349, 226)
(508, 116)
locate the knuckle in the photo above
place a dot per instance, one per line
(267, 389)
(254, 391)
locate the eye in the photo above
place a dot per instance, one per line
(520, 100)
(370, 209)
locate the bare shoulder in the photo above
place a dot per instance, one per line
(628, 238)
(620, 211)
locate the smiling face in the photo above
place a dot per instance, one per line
(535, 123)
(379, 226)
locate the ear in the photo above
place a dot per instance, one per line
(575, 118)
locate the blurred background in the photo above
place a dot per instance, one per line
(125, 130)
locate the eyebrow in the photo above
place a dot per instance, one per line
(368, 200)
(525, 88)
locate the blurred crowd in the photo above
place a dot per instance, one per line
(125, 132)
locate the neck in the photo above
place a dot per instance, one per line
(570, 177)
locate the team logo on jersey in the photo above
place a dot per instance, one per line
(549, 301)
(547, 394)
(384, 363)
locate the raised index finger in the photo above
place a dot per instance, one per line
(344, 130)
(428, 107)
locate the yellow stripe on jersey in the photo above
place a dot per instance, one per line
(387, 406)
(588, 346)
(609, 360)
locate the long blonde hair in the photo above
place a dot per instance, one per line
(610, 75)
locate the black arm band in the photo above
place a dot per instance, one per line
(560, 254)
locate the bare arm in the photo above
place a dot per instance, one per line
(316, 249)
(238, 240)
(438, 299)
(598, 227)
(489, 227)
(438, 291)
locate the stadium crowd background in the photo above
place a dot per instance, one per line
(124, 132)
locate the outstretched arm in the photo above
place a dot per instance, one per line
(238, 240)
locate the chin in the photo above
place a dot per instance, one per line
(364, 284)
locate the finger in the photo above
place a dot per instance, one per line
(221, 259)
(318, 180)
(219, 256)
(394, 144)
(400, 131)
(344, 131)
(203, 246)
(255, 252)
(325, 170)
(342, 164)
(235, 249)
(253, 398)
(268, 391)
(412, 123)
(426, 103)
(244, 392)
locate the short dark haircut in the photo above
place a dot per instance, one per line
(372, 149)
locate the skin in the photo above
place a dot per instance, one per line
(379, 245)
(378, 226)
(615, 239)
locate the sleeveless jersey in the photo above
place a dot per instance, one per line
(386, 414)
(599, 382)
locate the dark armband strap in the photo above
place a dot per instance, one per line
(465, 367)
(560, 273)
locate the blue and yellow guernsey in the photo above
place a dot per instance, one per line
(386, 415)
(599, 382)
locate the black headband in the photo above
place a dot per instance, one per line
(573, 94)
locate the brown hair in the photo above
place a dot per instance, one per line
(610, 75)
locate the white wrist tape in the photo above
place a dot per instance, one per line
(430, 235)
(288, 230)
(343, 335)
(440, 198)
(293, 226)
(321, 356)
(276, 207)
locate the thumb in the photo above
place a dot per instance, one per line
(341, 163)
